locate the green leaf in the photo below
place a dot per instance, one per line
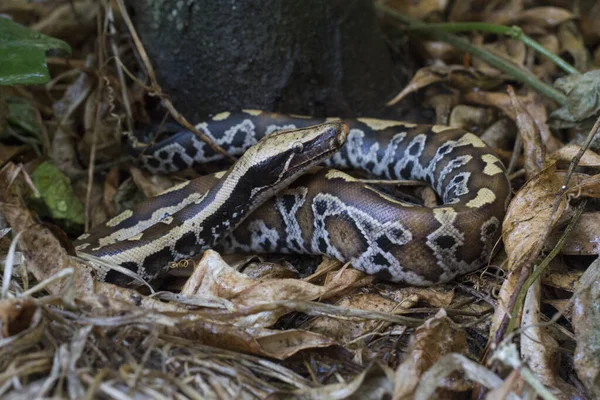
(21, 114)
(22, 124)
(57, 200)
(583, 97)
(23, 54)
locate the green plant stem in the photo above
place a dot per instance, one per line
(520, 74)
(512, 31)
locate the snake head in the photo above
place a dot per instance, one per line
(283, 156)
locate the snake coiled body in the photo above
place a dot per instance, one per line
(329, 212)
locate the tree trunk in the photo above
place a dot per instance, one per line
(315, 57)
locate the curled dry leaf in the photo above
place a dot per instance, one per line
(533, 147)
(431, 341)
(213, 277)
(418, 9)
(151, 185)
(566, 153)
(538, 347)
(546, 67)
(526, 220)
(584, 239)
(512, 50)
(500, 134)
(545, 16)
(529, 215)
(473, 119)
(343, 282)
(23, 326)
(586, 321)
(571, 41)
(375, 382)
(437, 50)
(532, 103)
(345, 331)
(565, 280)
(457, 76)
(435, 296)
(16, 316)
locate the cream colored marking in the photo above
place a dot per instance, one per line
(440, 128)
(444, 215)
(119, 218)
(221, 116)
(300, 116)
(84, 236)
(334, 173)
(332, 119)
(175, 187)
(167, 220)
(136, 237)
(473, 140)
(491, 168)
(381, 124)
(484, 196)
(253, 112)
(82, 246)
(124, 234)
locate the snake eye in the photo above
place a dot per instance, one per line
(297, 147)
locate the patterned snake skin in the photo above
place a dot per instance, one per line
(327, 211)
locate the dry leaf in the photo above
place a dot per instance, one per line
(586, 322)
(539, 348)
(151, 185)
(346, 331)
(16, 315)
(437, 337)
(500, 134)
(532, 103)
(572, 42)
(418, 9)
(470, 118)
(213, 277)
(73, 21)
(545, 16)
(512, 50)
(260, 341)
(374, 382)
(584, 239)
(566, 280)
(566, 153)
(533, 147)
(457, 76)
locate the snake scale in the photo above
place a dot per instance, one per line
(324, 211)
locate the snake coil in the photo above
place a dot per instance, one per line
(325, 212)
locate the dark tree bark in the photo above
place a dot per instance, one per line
(316, 57)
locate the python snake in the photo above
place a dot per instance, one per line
(324, 212)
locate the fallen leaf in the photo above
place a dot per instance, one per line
(545, 16)
(586, 322)
(532, 103)
(346, 331)
(512, 50)
(374, 382)
(539, 348)
(437, 337)
(470, 118)
(213, 277)
(533, 147)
